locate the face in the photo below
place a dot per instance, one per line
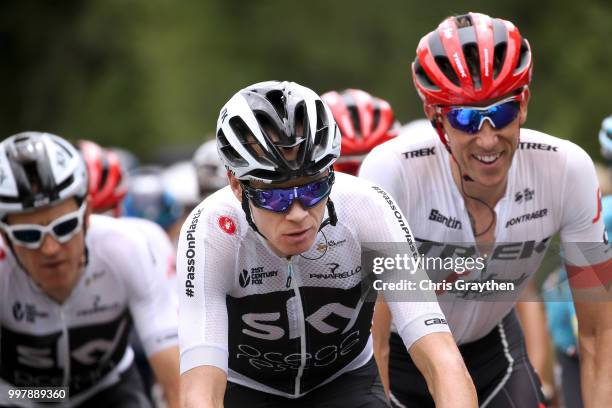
(289, 233)
(486, 156)
(55, 267)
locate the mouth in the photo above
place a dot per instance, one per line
(297, 236)
(488, 159)
(52, 264)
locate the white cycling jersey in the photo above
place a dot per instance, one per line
(83, 342)
(552, 187)
(161, 249)
(285, 326)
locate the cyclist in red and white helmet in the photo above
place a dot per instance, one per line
(365, 121)
(485, 186)
(107, 182)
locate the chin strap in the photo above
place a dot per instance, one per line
(332, 219)
(247, 212)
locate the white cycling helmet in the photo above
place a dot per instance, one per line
(209, 168)
(262, 123)
(605, 138)
(180, 180)
(38, 169)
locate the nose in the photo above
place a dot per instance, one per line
(487, 137)
(50, 246)
(296, 212)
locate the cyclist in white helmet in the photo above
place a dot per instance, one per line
(210, 170)
(272, 311)
(485, 185)
(71, 285)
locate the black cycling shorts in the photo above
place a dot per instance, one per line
(498, 364)
(129, 392)
(360, 388)
(569, 371)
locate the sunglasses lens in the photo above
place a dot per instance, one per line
(502, 115)
(465, 119)
(276, 200)
(311, 194)
(28, 236)
(66, 228)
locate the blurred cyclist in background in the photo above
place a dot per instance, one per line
(71, 285)
(560, 310)
(364, 121)
(107, 188)
(210, 171)
(148, 198)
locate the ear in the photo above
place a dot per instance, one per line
(235, 185)
(430, 111)
(523, 106)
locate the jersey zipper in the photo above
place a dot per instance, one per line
(301, 326)
(66, 342)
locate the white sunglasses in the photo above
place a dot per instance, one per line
(32, 235)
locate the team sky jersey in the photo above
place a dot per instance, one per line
(83, 343)
(552, 187)
(287, 326)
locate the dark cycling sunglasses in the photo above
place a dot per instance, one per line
(32, 235)
(280, 199)
(469, 119)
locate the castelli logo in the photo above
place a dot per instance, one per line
(227, 225)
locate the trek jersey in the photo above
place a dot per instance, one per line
(83, 342)
(286, 326)
(552, 187)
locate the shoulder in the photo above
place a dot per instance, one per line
(357, 196)
(150, 229)
(113, 237)
(218, 217)
(415, 140)
(536, 144)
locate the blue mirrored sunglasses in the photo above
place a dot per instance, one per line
(281, 199)
(469, 119)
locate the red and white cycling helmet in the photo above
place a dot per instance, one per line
(365, 121)
(469, 59)
(107, 186)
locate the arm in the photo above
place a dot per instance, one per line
(588, 260)
(416, 313)
(438, 359)
(165, 366)
(204, 387)
(205, 268)
(381, 330)
(533, 320)
(595, 345)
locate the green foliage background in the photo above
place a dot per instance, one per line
(151, 75)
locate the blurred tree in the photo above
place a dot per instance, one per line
(152, 75)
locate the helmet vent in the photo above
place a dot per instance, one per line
(229, 152)
(277, 99)
(447, 69)
(523, 59)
